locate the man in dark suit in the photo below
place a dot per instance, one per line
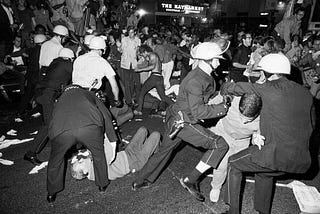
(285, 124)
(6, 26)
(78, 117)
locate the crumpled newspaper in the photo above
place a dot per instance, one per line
(4, 161)
(7, 143)
(36, 169)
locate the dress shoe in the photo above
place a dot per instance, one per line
(192, 188)
(142, 185)
(32, 159)
(102, 189)
(51, 198)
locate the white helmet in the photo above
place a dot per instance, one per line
(39, 38)
(61, 30)
(97, 43)
(87, 39)
(66, 53)
(206, 51)
(275, 64)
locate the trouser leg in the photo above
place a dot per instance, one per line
(128, 85)
(147, 86)
(92, 138)
(161, 92)
(56, 164)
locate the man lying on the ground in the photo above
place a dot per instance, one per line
(132, 159)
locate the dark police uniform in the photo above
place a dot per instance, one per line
(286, 125)
(195, 91)
(78, 117)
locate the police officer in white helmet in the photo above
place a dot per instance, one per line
(283, 144)
(90, 68)
(183, 122)
(50, 49)
(59, 75)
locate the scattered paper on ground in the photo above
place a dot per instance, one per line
(7, 143)
(37, 168)
(18, 120)
(6, 162)
(138, 119)
(34, 133)
(36, 115)
(2, 138)
(12, 132)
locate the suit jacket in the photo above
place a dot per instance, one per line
(77, 108)
(6, 33)
(285, 122)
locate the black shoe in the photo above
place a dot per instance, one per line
(32, 159)
(51, 198)
(144, 184)
(102, 189)
(192, 188)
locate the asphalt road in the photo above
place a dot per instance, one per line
(21, 192)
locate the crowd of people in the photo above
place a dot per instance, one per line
(261, 90)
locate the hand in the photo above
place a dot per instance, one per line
(258, 140)
(118, 103)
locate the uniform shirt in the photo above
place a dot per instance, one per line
(59, 74)
(77, 108)
(49, 51)
(90, 67)
(194, 93)
(129, 49)
(284, 121)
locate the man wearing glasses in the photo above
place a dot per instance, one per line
(241, 58)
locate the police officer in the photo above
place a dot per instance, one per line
(78, 117)
(58, 76)
(90, 68)
(285, 125)
(191, 107)
(50, 49)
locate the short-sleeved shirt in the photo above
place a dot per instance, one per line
(242, 55)
(49, 51)
(90, 67)
(129, 52)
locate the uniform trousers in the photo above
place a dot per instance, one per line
(196, 135)
(90, 136)
(264, 181)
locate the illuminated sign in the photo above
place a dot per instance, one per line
(181, 8)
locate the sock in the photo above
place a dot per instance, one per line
(194, 176)
(202, 167)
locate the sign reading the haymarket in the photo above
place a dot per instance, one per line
(181, 8)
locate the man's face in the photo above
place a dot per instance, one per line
(215, 63)
(300, 15)
(131, 33)
(316, 45)
(79, 168)
(247, 40)
(17, 42)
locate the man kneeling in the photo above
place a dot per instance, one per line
(132, 159)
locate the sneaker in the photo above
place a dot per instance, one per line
(136, 112)
(143, 185)
(192, 188)
(214, 195)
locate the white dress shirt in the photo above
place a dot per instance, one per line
(49, 51)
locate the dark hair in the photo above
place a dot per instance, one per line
(296, 10)
(39, 29)
(145, 48)
(244, 36)
(250, 105)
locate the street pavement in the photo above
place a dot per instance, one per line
(21, 192)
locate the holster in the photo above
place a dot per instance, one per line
(175, 124)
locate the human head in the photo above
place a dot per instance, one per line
(17, 41)
(66, 53)
(274, 65)
(39, 39)
(208, 52)
(87, 39)
(131, 32)
(61, 32)
(316, 43)
(97, 44)
(249, 107)
(145, 50)
(39, 29)
(299, 13)
(81, 163)
(246, 39)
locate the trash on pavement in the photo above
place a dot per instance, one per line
(36, 169)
